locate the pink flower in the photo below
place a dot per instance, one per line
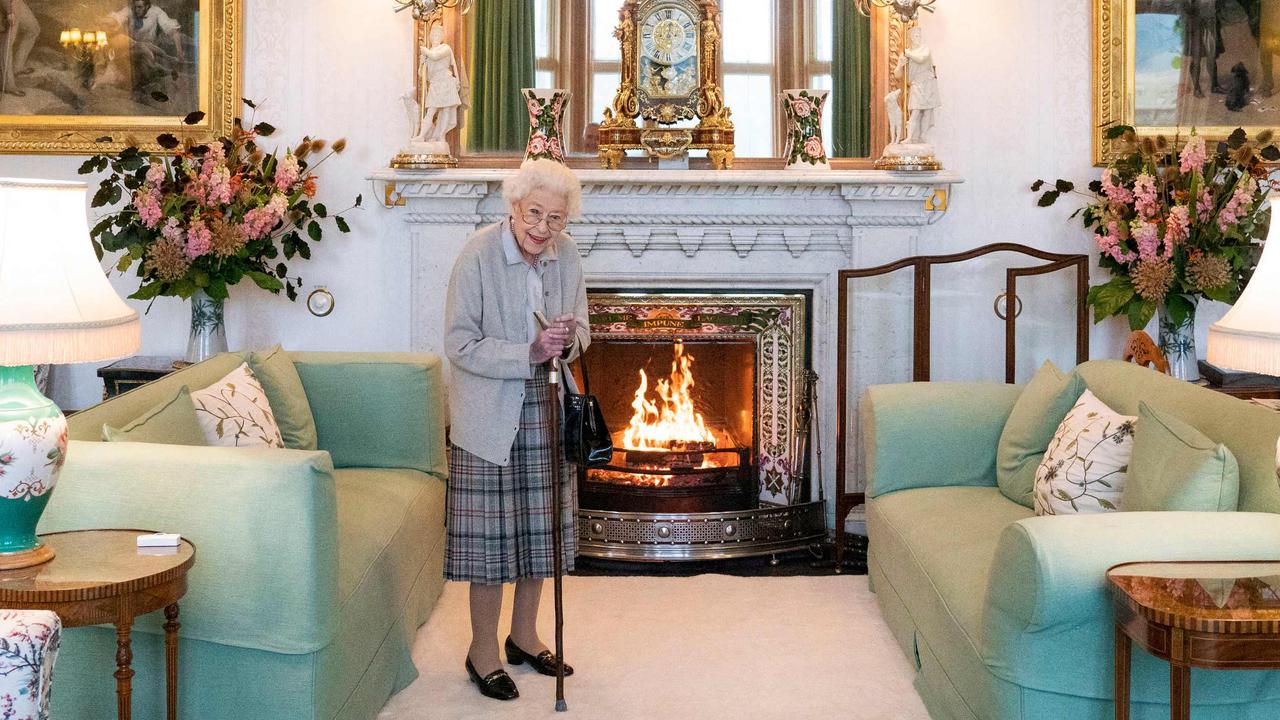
(260, 221)
(537, 144)
(1144, 191)
(553, 147)
(199, 239)
(155, 174)
(147, 203)
(801, 107)
(1110, 244)
(1193, 155)
(1204, 206)
(172, 230)
(1240, 200)
(1177, 228)
(1117, 194)
(1147, 235)
(535, 110)
(813, 147)
(555, 106)
(287, 172)
(218, 190)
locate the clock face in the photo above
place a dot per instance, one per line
(668, 36)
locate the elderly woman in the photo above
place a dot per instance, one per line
(499, 499)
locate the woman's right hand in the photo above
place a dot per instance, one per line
(550, 343)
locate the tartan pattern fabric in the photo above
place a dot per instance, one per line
(499, 518)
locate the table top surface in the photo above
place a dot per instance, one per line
(1208, 596)
(94, 564)
(141, 363)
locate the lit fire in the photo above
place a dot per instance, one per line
(671, 423)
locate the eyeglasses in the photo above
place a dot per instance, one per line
(555, 221)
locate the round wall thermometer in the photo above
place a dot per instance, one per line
(320, 302)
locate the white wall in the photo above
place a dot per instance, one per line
(1015, 79)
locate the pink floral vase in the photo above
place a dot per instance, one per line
(546, 110)
(803, 111)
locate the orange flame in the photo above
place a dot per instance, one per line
(671, 422)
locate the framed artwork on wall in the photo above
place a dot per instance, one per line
(74, 72)
(1167, 66)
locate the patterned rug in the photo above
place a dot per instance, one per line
(709, 646)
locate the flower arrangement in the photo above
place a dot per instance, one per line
(213, 214)
(1175, 222)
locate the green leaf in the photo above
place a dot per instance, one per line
(1271, 153)
(1110, 298)
(359, 199)
(1035, 186)
(281, 270)
(264, 129)
(321, 210)
(265, 281)
(217, 289)
(314, 231)
(88, 166)
(103, 195)
(1140, 313)
(304, 250)
(342, 224)
(147, 291)
(1179, 307)
(193, 118)
(168, 141)
(184, 288)
(1226, 293)
(1050, 197)
(1237, 138)
(123, 263)
(1065, 186)
(200, 278)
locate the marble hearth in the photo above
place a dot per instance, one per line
(690, 230)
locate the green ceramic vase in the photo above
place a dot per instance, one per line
(33, 446)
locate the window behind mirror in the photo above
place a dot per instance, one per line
(767, 46)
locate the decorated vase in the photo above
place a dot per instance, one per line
(208, 332)
(546, 112)
(803, 112)
(1178, 343)
(33, 447)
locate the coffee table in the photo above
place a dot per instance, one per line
(1223, 615)
(102, 577)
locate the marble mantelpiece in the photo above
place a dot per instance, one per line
(684, 230)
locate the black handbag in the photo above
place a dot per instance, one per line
(587, 442)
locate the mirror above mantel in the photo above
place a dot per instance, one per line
(767, 46)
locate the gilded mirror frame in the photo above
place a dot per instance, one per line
(887, 41)
(220, 77)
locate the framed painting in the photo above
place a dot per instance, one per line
(76, 72)
(1167, 66)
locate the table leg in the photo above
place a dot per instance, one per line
(171, 626)
(1179, 676)
(124, 671)
(1123, 654)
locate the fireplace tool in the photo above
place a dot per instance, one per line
(557, 532)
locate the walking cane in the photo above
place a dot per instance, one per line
(557, 539)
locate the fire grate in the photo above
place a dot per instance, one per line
(699, 536)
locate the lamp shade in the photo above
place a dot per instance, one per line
(56, 305)
(1248, 337)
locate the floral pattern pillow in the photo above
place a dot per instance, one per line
(234, 412)
(1087, 463)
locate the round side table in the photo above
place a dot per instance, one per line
(103, 577)
(1223, 615)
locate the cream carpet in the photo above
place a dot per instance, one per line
(706, 647)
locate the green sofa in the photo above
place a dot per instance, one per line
(313, 569)
(1005, 615)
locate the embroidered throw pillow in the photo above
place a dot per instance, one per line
(1085, 467)
(234, 412)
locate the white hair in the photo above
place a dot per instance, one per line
(545, 175)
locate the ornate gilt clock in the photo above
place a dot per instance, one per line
(670, 72)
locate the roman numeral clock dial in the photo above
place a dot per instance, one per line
(668, 49)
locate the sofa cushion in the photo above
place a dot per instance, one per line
(1176, 467)
(235, 412)
(172, 422)
(1043, 404)
(1087, 463)
(275, 370)
(390, 523)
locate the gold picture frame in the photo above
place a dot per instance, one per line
(218, 48)
(1180, 68)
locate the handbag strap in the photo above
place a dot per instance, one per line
(586, 382)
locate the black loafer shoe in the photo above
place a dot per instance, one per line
(544, 662)
(497, 684)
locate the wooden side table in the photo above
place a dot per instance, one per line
(1223, 615)
(131, 372)
(100, 577)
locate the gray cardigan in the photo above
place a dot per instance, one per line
(485, 337)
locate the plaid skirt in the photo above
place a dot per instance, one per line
(499, 518)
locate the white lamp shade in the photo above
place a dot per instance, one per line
(1248, 337)
(56, 305)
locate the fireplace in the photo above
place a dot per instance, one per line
(703, 393)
